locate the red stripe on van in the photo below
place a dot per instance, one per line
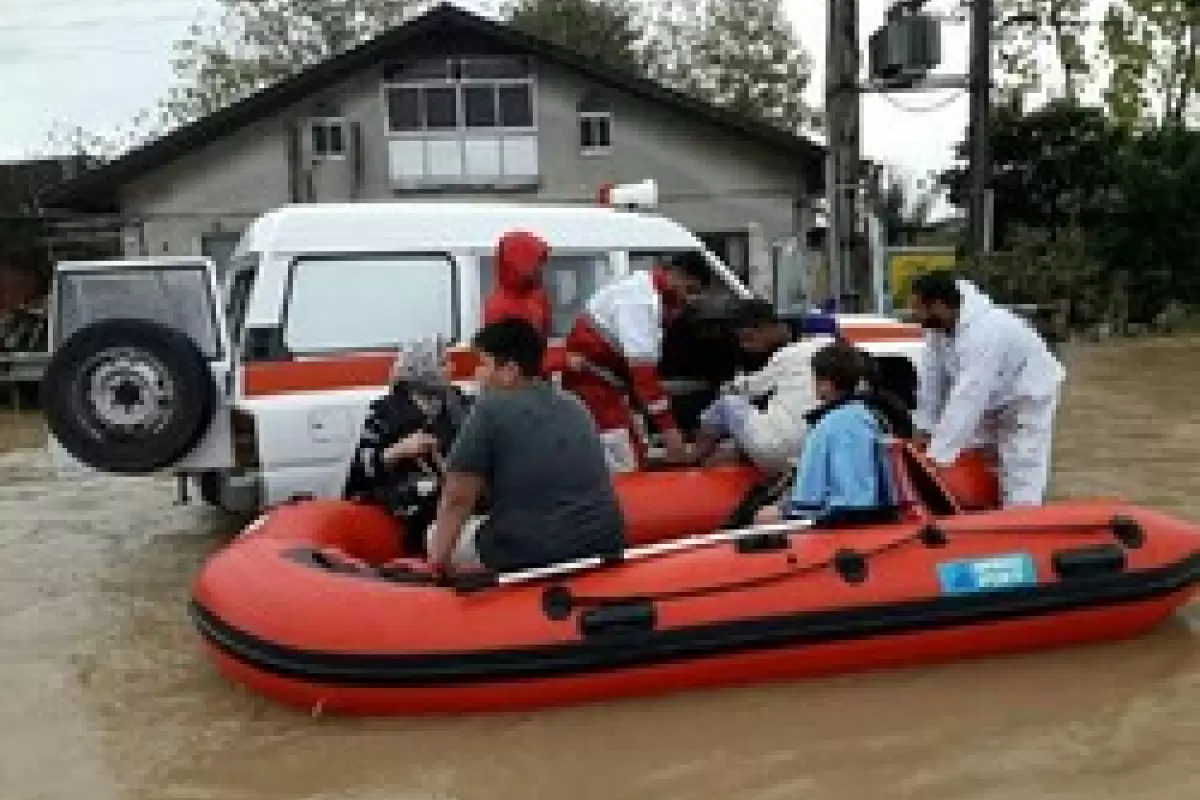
(884, 332)
(360, 370)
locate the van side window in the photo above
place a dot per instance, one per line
(570, 279)
(369, 302)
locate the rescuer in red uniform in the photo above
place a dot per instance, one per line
(613, 352)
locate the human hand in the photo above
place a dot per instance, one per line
(414, 445)
(676, 447)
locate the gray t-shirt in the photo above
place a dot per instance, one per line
(548, 484)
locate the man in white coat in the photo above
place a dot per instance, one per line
(772, 435)
(986, 377)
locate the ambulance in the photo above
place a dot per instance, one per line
(252, 385)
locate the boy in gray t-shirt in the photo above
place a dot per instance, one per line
(534, 451)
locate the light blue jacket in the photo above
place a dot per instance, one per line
(843, 466)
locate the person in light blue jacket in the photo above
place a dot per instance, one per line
(844, 475)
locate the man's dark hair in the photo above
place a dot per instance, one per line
(512, 341)
(752, 313)
(693, 265)
(937, 286)
(842, 364)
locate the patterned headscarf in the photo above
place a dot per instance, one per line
(420, 361)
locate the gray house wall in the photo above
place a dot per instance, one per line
(709, 180)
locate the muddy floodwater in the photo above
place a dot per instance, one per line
(104, 694)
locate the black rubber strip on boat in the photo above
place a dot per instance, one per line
(651, 648)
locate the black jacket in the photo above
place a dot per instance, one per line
(409, 407)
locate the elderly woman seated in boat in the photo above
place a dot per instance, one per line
(844, 475)
(406, 434)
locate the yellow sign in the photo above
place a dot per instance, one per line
(903, 266)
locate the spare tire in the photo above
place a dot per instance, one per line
(128, 395)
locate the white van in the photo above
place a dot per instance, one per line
(255, 384)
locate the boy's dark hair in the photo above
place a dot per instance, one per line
(693, 265)
(842, 364)
(512, 341)
(937, 286)
(752, 313)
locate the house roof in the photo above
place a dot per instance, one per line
(95, 190)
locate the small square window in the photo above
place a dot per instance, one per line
(595, 132)
(328, 138)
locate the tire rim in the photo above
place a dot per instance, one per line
(126, 391)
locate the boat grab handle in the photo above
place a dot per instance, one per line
(476, 580)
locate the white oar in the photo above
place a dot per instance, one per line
(470, 581)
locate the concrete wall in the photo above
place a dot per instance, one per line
(709, 180)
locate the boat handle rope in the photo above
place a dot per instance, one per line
(850, 564)
(475, 580)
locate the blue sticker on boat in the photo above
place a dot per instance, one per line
(989, 574)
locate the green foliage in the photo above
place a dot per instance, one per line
(258, 42)
(1040, 38)
(1154, 53)
(747, 58)
(1052, 168)
(1070, 182)
(742, 56)
(608, 31)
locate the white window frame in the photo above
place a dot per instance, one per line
(462, 133)
(329, 123)
(590, 116)
(458, 84)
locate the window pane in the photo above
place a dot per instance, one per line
(237, 299)
(337, 145)
(594, 132)
(179, 298)
(404, 109)
(367, 304)
(320, 139)
(516, 106)
(441, 109)
(480, 106)
(570, 281)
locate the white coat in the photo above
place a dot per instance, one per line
(771, 437)
(991, 379)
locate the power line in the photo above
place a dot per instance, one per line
(945, 102)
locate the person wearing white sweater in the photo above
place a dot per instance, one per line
(769, 436)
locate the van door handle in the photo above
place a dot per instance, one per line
(328, 425)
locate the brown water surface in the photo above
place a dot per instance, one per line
(106, 696)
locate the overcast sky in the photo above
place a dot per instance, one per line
(97, 64)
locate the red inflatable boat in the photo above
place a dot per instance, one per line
(310, 606)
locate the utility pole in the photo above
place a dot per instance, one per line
(847, 265)
(980, 81)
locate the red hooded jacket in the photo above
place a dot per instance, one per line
(518, 290)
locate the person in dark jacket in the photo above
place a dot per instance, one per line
(406, 434)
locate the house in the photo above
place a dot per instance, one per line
(453, 105)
